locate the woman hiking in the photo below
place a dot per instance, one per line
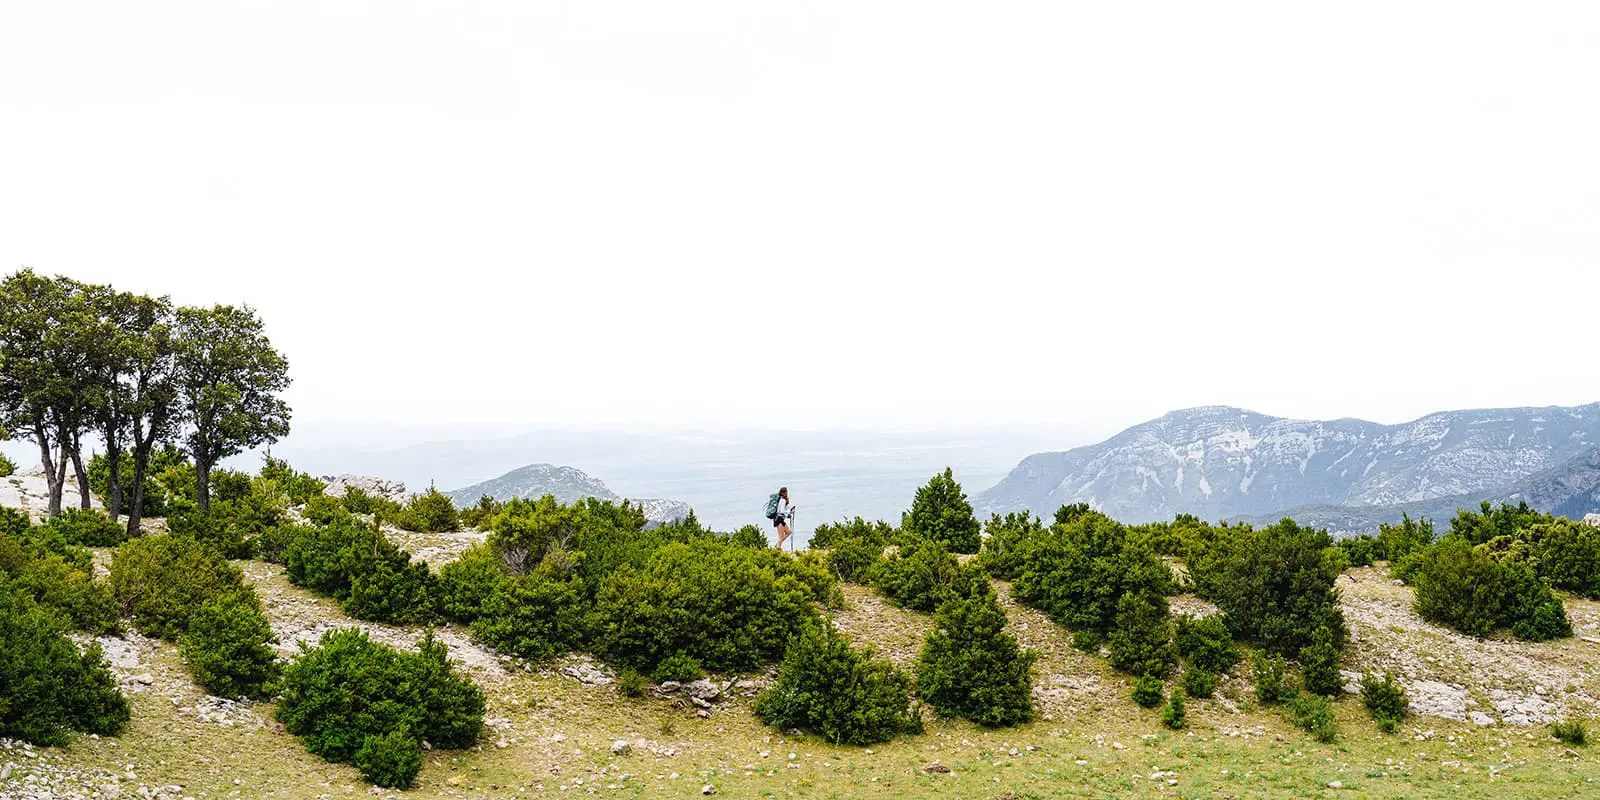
(783, 520)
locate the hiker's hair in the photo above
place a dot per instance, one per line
(783, 492)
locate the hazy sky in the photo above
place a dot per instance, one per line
(834, 214)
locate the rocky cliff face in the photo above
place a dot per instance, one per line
(1221, 462)
(567, 484)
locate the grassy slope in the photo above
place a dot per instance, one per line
(549, 733)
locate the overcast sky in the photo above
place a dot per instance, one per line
(834, 214)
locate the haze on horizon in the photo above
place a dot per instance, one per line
(837, 216)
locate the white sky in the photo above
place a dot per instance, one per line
(1074, 214)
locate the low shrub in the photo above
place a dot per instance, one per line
(429, 512)
(160, 581)
(1319, 664)
(466, 584)
(392, 759)
(1267, 673)
(1175, 716)
(87, 528)
(48, 689)
(280, 478)
(1148, 691)
(1571, 732)
(1206, 643)
(373, 579)
(7, 466)
(971, 667)
(1078, 572)
(829, 535)
(1086, 641)
(854, 559)
(1197, 682)
(1274, 584)
(733, 607)
(1313, 714)
(270, 544)
(391, 590)
(477, 516)
(1005, 542)
(1385, 701)
(1141, 641)
(61, 584)
(680, 667)
(324, 510)
(535, 616)
(921, 575)
(214, 530)
(227, 647)
(1460, 585)
(843, 695)
(631, 682)
(748, 536)
(337, 696)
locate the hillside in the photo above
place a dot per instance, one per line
(1221, 462)
(567, 484)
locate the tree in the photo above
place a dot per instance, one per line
(941, 512)
(135, 404)
(1141, 640)
(971, 667)
(47, 336)
(228, 377)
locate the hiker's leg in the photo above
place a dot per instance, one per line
(783, 534)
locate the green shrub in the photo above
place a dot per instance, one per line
(47, 687)
(391, 590)
(729, 606)
(680, 667)
(214, 530)
(477, 516)
(1206, 643)
(1478, 527)
(921, 575)
(348, 688)
(7, 466)
(1198, 682)
(392, 759)
(14, 523)
(298, 487)
(854, 559)
(1463, 587)
(940, 512)
(88, 528)
(1570, 732)
(534, 616)
(269, 545)
(324, 510)
(845, 696)
(631, 682)
(829, 535)
(1175, 716)
(1273, 584)
(524, 530)
(1313, 714)
(1567, 555)
(1361, 551)
(1148, 691)
(1141, 642)
(430, 512)
(971, 667)
(1004, 546)
(1319, 664)
(1385, 701)
(161, 581)
(1086, 641)
(1397, 542)
(1078, 571)
(228, 647)
(748, 536)
(1267, 673)
(466, 584)
(61, 586)
(158, 498)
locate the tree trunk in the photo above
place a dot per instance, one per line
(58, 481)
(202, 489)
(141, 460)
(48, 462)
(84, 499)
(114, 477)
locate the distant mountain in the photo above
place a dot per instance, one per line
(1570, 490)
(567, 484)
(1218, 462)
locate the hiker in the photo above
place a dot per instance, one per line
(782, 515)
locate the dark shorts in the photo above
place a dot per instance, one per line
(779, 522)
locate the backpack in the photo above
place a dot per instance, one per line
(772, 506)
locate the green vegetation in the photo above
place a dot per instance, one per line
(1077, 572)
(971, 667)
(7, 466)
(921, 575)
(1313, 714)
(843, 695)
(1148, 691)
(1005, 542)
(1385, 701)
(1570, 731)
(940, 512)
(1319, 664)
(55, 575)
(47, 688)
(1175, 716)
(87, 528)
(356, 564)
(430, 512)
(226, 647)
(1141, 639)
(1274, 584)
(352, 699)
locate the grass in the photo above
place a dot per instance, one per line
(551, 736)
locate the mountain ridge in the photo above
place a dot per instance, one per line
(1222, 462)
(566, 484)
